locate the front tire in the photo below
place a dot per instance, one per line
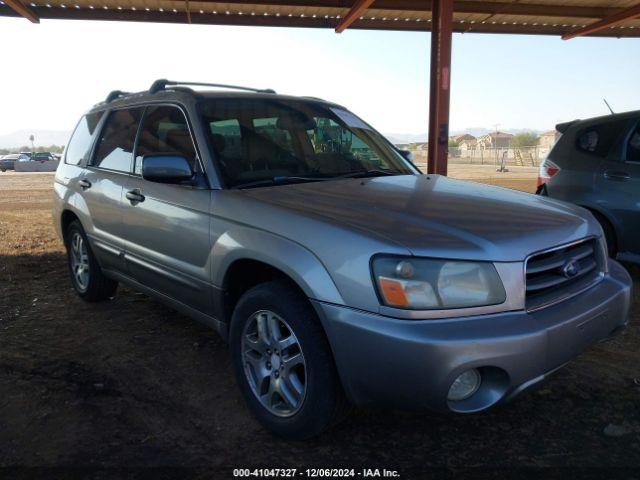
(283, 362)
(86, 275)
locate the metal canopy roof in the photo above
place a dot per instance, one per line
(568, 18)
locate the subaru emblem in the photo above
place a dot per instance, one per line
(570, 268)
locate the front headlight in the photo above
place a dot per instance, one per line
(431, 284)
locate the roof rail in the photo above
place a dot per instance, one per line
(115, 94)
(161, 84)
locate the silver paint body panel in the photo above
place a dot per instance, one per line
(181, 241)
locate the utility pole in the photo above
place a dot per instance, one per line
(495, 146)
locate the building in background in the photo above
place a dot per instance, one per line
(466, 144)
(548, 139)
(495, 140)
(467, 137)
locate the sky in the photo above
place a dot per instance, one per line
(52, 72)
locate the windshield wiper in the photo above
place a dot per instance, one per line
(370, 173)
(285, 180)
(278, 181)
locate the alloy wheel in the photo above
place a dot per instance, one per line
(274, 363)
(79, 261)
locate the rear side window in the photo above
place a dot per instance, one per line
(633, 147)
(115, 146)
(165, 131)
(80, 143)
(599, 139)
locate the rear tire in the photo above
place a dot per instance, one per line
(271, 325)
(86, 275)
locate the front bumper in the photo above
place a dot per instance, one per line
(388, 362)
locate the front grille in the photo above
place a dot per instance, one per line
(563, 272)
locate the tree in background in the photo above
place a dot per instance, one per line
(525, 139)
(453, 143)
(32, 139)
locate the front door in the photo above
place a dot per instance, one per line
(102, 185)
(166, 227)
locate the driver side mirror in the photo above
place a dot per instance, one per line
(166, 169)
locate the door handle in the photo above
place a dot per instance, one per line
(134, 196)
(614, 175)
(84, 184)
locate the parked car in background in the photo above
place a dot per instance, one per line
(596, 164)
(336, 271)
(8, 161)
(42, 157)
(27, 154)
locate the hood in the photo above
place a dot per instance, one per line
(439, 216)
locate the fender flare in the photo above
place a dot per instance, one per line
(294, 260)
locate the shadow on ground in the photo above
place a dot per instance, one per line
(129, 383)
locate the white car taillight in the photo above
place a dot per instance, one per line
(547, 170)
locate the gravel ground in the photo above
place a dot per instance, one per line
(129, 383)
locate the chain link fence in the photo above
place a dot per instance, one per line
(509, 156)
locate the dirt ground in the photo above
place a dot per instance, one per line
(129, 383)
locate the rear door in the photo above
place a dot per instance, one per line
(166, 227)
(102, 184)
(619, 181)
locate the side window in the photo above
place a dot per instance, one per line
(599, 139)
(115, 146)
(269, 129)
(227, 138)
(80, 143)
(633, 147)
(329, 138)
(165, 131)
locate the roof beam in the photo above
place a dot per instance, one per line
(606, 22)
(356, 10)
(306, 21)
(460, 6)
(22, 10)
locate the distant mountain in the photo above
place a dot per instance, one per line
(406, 137)
(43, 138)
(475, 131)
(480, 131)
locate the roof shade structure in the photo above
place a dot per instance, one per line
(564, 18)
(546, 17)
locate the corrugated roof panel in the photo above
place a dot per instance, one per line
(551, 17)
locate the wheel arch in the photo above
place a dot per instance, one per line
(601, 215)
(66, 217)
(248, 256)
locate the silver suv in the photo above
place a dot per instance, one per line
(336, 271)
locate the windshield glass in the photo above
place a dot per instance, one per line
(258, 142)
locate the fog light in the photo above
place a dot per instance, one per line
(465, 385)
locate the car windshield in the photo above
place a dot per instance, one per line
(263, 142)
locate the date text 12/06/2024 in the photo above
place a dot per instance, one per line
(315, 473)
